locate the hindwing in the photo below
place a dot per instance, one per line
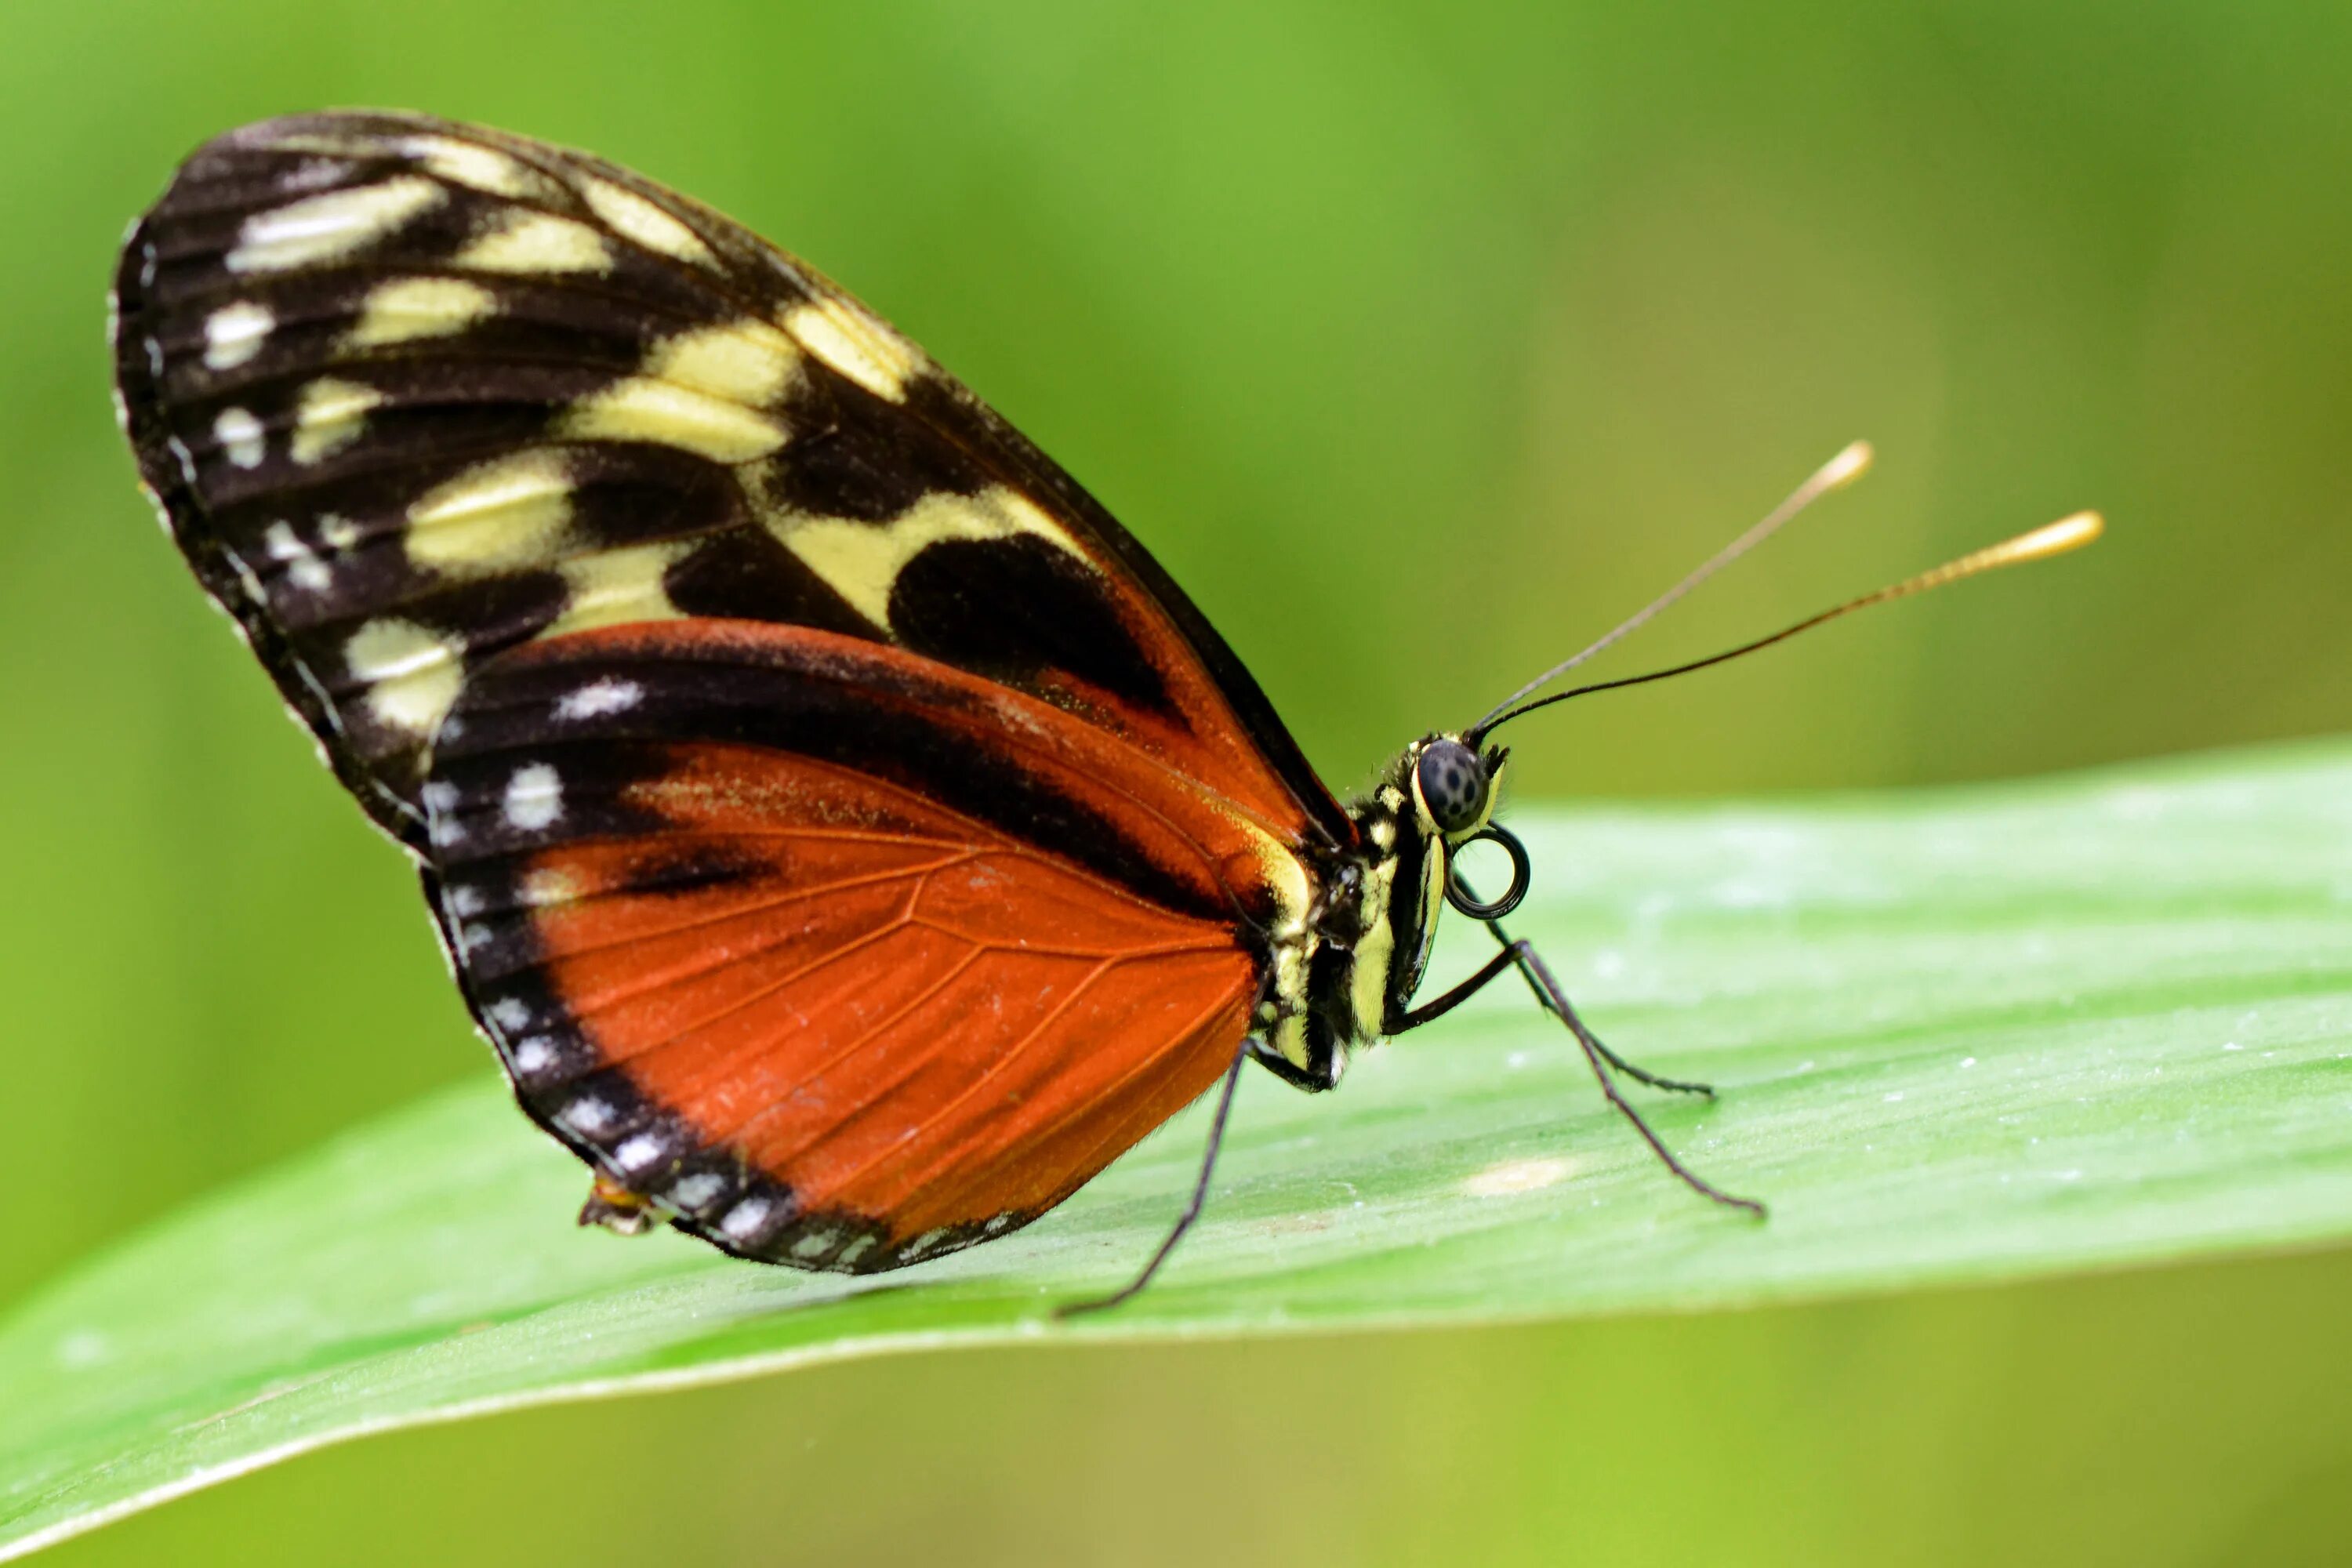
(837, 957)
(412, 394)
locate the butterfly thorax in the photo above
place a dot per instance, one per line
(1352, 967)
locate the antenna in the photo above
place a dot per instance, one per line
(1837, 473)
(2052, 539)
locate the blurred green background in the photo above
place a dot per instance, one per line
(1419, 340)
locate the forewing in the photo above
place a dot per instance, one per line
(840, 957)
(410, 394)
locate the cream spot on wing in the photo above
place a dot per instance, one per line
(303, 567)
(854, 1251)
(599, 699)
(314, 173)
(748, 362)
(925, 1244)
(641, 1153)
(534, 797)
(512, 512)
(856, 344)
(335, 224)
(537, 242)
(693, 1191)
(669, 415)
(241, 437)
(338, 532)
(544, 885)
(587, 1115)
(234, 334)
(614, 587)
(861, 561)
(640, 222)
(326, 417)
(511, 1014)
(410, 307)
(443, 825)
(412, 673)
(816, 1244)
(534, 1055)
(743, 1221)
(1509, 1176)
(315, 142)
(471, 165)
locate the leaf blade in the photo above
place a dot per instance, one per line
(1970, 1035)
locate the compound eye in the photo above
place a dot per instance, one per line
(1453, 785)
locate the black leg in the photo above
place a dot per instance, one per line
(1597, 1054)
(1638, 1074)
(1438, 1007)
(1192, 1210)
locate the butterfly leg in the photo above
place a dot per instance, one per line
(1509, 958)
(1192, 1209)
(1521, 955)
(1541, 976)
(1637, 1073)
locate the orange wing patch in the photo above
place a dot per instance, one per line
(834, 1015)
(873, 1021)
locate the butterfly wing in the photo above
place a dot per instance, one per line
(412, 394)
(848, 836)
(840, 957)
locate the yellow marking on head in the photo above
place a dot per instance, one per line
(407, 308)
(640, 222)
(326, 417)
(481, 168)
(858, 344)
(861, 561)
(327, 227)
(234, 333)
(669, 415)
(510, 512)
(412, 673)
(337, 532)
(530, 243)
(1509, 1176)
(747, 362)
(614, 587)
(1426, 818)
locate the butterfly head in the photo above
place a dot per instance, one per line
(1454, 785)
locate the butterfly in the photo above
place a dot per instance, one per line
(848, 838)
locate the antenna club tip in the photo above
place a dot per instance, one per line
(1848, 466)
(2071, 532)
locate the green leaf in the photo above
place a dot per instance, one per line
(1967, 1036)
